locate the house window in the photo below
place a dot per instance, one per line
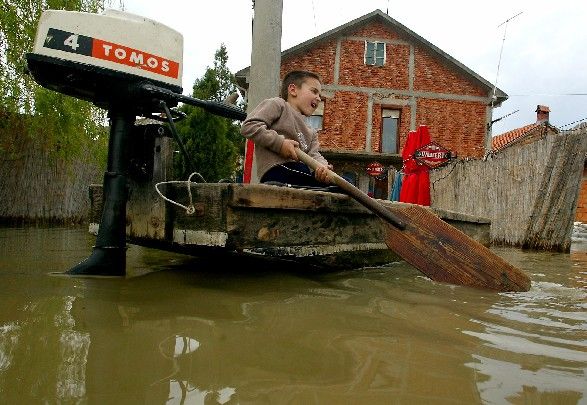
(390, 130)
(374, 53)
(314, 121)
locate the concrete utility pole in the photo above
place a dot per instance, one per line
(264, 77)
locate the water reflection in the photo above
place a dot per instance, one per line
(195, 333)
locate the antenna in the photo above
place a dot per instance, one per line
(314, 13)
(493, 97)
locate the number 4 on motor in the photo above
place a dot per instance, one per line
(71, 41)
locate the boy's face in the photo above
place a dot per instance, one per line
(306, 97)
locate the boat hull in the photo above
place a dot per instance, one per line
(315, 228)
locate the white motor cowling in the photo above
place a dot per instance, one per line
(98, 56)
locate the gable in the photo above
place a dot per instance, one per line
(378, 23)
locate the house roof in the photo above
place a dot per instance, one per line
(378, 15)
(509, 138)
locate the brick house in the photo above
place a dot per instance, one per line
(381, 80)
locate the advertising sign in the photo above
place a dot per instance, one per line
(433, 155)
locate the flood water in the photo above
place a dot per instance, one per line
(183, 330)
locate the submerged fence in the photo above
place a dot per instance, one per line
(529, 192)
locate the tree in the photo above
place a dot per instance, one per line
(214, 144)
(64, 125)
(51, 145)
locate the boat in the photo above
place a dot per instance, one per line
(140, 202)
(322, 228)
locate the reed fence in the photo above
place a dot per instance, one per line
(529, 192)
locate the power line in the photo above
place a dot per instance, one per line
(548, 94)
(574, 122)
(502, 117)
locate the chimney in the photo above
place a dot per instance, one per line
(542, 112)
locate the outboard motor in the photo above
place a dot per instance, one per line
(128, 65)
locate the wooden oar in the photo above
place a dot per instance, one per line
(437, 249)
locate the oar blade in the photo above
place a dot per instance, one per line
(434, 247)
(445, 254)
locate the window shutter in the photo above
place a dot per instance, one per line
(369, 53)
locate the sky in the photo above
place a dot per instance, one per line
(536, 57)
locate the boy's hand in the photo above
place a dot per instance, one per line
(321, 173)
(288, 149)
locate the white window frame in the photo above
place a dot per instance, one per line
(374, 55)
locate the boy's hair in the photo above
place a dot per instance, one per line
(296, 77)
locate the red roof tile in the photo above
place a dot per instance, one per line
(501, 141)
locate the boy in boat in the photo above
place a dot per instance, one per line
(277, 126)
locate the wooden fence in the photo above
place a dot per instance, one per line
(36, 187)
(529, 192)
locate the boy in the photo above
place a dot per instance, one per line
(277, 127)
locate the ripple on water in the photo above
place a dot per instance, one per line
(533, 339)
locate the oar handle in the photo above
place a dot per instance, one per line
(354, 192)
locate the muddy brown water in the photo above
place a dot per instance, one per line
(182, 330)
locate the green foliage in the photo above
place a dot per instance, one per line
(214, 144)
(211, 152)
(66, 126)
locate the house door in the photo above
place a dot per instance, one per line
(378, 188)
(381, 189)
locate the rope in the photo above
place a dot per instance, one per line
(190, 209)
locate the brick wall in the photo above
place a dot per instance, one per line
(454, 123)
(319, 59)
(581, 215)
(441, 93)
(344, 121)
(434, 75)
